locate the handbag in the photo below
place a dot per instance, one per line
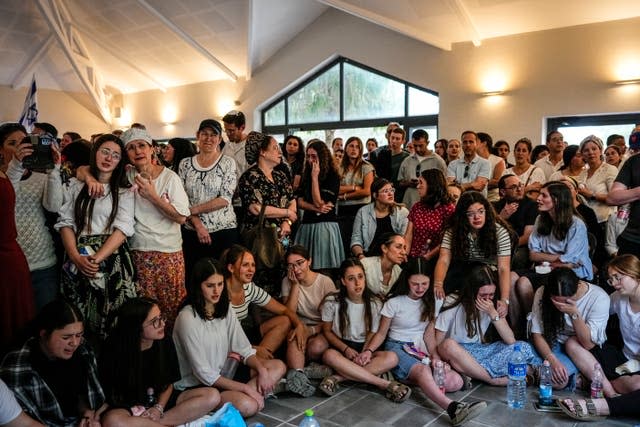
(263, 242)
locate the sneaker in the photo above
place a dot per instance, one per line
(298, 383)
(316, 371)
(467, 411)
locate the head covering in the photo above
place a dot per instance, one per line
(211, 124)
(136, 134)
(591, 138)
(252, 146)
(634, 141)
(568, 154)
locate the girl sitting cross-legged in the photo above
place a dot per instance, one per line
(206, 330)
(408, 316)
(472, 336)
(138, 359)
(567, 309)
(350, 318)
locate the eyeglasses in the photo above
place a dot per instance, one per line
(388, 191)
(156, 322)
(471, 214)
(514, 187)
(107, 152)
(614, 278)
(466, 172)
(297, 264)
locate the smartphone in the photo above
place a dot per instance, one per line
(42, 158)
(547, 408)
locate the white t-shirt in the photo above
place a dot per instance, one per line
(9, 407)
(357, 329)
(202, 346)
(453, 323)
(629, 324)
(405, 314)
(154, 230)
(593, 308)
(310, 297)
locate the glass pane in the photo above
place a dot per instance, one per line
(422, 103)
(329, 134)
(274, 116)
(368, 95)
(574, 134)
(318, 101)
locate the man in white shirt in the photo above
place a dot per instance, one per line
(472, 172)
(553, 162)
(234, 126)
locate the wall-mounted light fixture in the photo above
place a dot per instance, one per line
(493, 93)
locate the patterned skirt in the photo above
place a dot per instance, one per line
(97, 298)
(161, 277)
(494, 357)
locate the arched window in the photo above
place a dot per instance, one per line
(346, 98)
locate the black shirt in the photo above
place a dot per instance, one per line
(525, 214)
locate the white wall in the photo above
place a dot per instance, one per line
(559, 72)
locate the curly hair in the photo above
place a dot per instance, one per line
(563, 210)
(325, 159)
(401, 287)
(460, 227)
(479, 275)
(436, 188)
(562, 282)
(341, 298)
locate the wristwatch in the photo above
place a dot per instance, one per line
(505, 300)
(575, 316)
(495, 319)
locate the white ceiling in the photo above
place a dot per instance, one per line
(137, 45)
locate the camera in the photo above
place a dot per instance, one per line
(42, 158)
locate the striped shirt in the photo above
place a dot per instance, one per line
(475, 253)
(252, 295)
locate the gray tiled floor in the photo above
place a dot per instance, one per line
(363, 406)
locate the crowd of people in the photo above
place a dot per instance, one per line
(148, 284)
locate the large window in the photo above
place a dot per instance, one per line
(346, 98)
(575, 129)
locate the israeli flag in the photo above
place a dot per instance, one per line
(29, 114)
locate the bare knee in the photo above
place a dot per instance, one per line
(389, 358)
(281, 322)
(316, 346)
(246, 405)
(276, 367)
(330, 356)
(115, 418)
(453, 381)
(448, 347)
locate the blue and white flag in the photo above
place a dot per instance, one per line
(29, 114)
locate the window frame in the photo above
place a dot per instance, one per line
(406, 121)
(554, 123)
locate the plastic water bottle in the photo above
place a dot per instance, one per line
(309, 420)
(230, 365)
(546, 390)
(151, 398)
(438, 375)
(596, 382)
(517, 385)
(622, 216)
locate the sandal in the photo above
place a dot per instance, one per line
(329, 385)
(580, 409)
(397, 392)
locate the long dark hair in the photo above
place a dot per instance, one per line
(299, 155)
(83, 208)
(327, 166)
(478, 276)
(204, 268)
(401, 287)
(563, 210)
(55, 315)
(182, 148)
(436, 188)
(562, 282)
(460, 227)
(342, 295)
(7, 129)
(124, 365)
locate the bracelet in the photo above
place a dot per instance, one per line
(368, 349)
(346, 347)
